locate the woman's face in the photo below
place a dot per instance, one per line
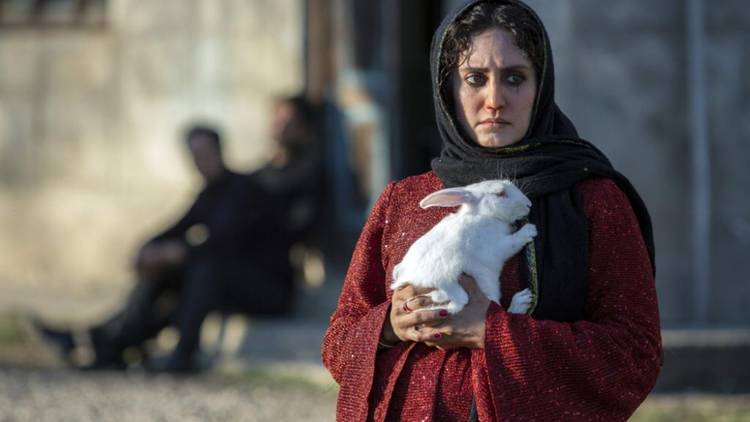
(494, 90)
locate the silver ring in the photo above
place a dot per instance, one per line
(406, 307)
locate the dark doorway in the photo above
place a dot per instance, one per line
(416, 140)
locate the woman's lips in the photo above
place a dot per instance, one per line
(493, 123)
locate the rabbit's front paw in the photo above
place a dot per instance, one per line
(521, 302)
(528, 232)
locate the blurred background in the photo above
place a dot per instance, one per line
(95, 96)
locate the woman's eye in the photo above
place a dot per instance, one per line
(475, 79)
(515, 80)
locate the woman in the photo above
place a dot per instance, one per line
(590, 350)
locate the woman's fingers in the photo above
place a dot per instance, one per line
(408, 299)
(415, 303)
(424, 318)
(412, 319)
(408, 291)
(426, 334)
(413, 290)
(428, 327)
(417, 321)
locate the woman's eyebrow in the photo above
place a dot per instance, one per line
(502, 69)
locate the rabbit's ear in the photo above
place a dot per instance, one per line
(452, 197)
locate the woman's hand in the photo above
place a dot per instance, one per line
(407, 322)
(466, 328)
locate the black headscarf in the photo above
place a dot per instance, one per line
(546, 164)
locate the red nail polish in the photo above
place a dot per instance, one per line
(443, 313)
(437, 336)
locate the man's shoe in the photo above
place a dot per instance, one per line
(111, 365)
(174, 363)
(61, 340)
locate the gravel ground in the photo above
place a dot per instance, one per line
(49, 394)
(263, 379)
(269, 370)
(62, 395)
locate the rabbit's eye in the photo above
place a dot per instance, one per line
(501, 194)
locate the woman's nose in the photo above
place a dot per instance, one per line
(495, 95)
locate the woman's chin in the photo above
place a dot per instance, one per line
(495, 141)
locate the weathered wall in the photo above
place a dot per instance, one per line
(621, 80)
(91, 159)
(728, 87)
(622, 76)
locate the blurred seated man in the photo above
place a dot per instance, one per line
(294, 174)
(229, 252)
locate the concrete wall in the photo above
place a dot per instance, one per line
(728, 86)
(91, 160)
(622, 78)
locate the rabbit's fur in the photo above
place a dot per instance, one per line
(476, 240)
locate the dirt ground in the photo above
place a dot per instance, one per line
(34, 386)
(62, 395)
(38, 394)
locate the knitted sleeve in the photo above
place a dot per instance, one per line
(350, 344)
(600, 368)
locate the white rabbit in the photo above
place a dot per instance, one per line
(476, 240)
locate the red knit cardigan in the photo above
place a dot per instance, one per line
(599, 368)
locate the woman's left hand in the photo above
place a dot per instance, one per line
(466, 328)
